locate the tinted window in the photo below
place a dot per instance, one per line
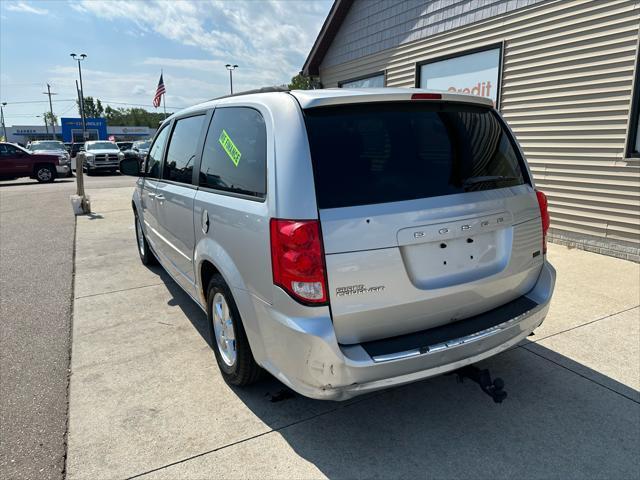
(8, 150)
(155, 155)
(235, 152)
(387, 153)
(181, 153)
(101, 146)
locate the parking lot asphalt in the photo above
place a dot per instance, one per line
(36, 276)
(147, 401)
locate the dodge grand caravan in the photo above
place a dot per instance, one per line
(347, 240)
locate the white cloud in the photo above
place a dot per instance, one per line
(26, 8)
(268, 39)
(134, 89)
(184, 63)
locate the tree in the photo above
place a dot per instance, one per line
(92, 108)
(50, 118)
(304, 82)
(125, 117)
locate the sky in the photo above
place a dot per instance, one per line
(128, 42)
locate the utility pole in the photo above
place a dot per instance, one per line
(53, 123)
(46, 126)
(231, 68)
(4, 128)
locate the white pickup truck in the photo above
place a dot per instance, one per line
(99, 155)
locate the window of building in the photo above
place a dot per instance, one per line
(178, 167)
(633, 147)
(235, 152)
(154, 158)
(370, 81)
(472, 73)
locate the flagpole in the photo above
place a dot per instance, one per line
(164, 105)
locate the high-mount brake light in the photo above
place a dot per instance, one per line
(426, 96)
(297, 259)
(544, 215)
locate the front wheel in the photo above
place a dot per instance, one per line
(45, 174)
(146, 255)
(228, 337)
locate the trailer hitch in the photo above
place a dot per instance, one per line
(482, 377)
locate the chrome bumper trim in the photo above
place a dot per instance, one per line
(439, 347)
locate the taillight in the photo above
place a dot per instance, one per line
(544, 215)
(297, 259)
(426, 96)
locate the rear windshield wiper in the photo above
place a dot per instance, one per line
(489, 179)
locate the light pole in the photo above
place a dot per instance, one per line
(231, 68)
(4, 128)
(84, 206)
(79, 58)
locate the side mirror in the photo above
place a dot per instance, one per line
(131, 166)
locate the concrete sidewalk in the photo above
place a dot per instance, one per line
(147, 400)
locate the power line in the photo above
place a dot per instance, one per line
(38, 101)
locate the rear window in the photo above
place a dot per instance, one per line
(379, 153)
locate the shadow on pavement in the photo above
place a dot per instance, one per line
(554, 424)
(10, 183)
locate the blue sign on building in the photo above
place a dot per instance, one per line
(72, 129)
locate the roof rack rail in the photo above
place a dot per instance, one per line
(257, 90)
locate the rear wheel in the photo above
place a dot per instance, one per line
(146, 255)
(45, 173)
(228, 337)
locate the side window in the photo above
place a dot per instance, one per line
(154, 158)
(235, 152)
(178, 166)
(8, 150)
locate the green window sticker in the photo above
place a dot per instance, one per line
(230, 147)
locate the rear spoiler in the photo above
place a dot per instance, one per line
(345, 96)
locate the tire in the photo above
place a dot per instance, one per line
(235, 361)
(45, 173)
(147, 257)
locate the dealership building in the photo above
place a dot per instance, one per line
(564, 73)
(70, 130)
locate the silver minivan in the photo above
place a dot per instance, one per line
(347, 240)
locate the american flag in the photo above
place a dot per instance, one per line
(159, 92)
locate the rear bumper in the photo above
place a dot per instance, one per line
(304, 354)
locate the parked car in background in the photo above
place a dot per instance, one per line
(141, 148)
(17, 162)
(67, 146)
(75, 148)
(54, 147)
(347, 240)
(100, 155)
(123, 146)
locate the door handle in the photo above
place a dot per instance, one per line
(159, 196)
